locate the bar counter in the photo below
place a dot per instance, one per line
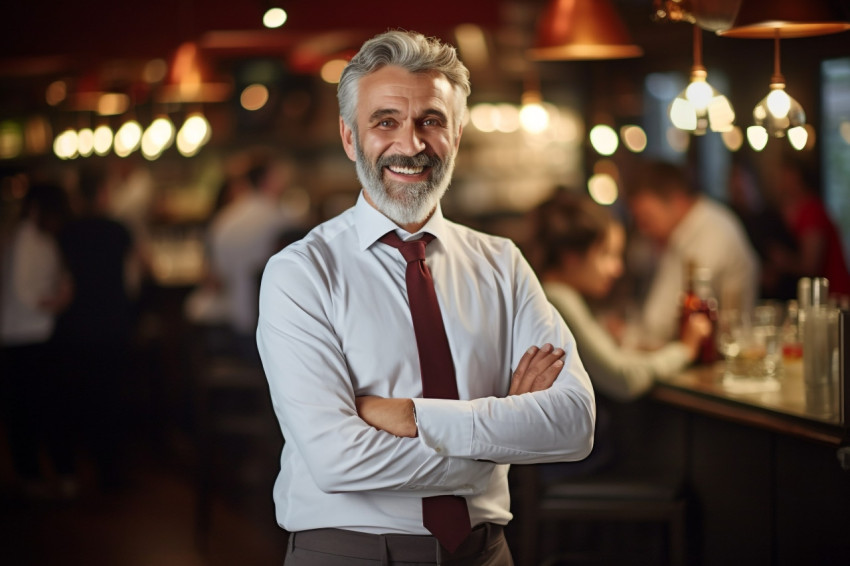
(767, 481)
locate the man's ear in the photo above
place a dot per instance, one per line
(347, 136)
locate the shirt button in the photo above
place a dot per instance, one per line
(438, 449)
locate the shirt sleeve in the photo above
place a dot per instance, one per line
(620, 373)
(553, 425)
(313, 398)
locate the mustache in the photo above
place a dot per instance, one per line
(418, 160)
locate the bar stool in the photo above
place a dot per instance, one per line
(604, 498)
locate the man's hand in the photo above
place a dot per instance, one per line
(394, 416)
(537, 370)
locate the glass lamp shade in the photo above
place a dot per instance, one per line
(777, 112)
(700, 107)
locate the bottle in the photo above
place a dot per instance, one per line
(698, 297)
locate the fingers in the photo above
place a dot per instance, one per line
(537, 370)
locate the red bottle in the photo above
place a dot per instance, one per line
(698, 297)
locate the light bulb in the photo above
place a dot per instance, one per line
(533, 117)
(102, 139)
(274, 17)
(778, 112)
(699, 93)
(128, 138)
(683, 114)
(85, 141)
(778, 103)
(604, 139)
(757, 136)
(797, 137)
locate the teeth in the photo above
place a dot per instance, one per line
(406, 170)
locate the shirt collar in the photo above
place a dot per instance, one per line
(371, 224)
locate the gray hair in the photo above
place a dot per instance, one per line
(409, 50)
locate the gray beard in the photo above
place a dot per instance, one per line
(404, 203)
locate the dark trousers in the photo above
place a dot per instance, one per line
(486, 546)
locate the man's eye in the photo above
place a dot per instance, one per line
(385, 123)
(430, 122)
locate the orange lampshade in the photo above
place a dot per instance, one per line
(190, 78)
(581, 30)
(759, 19)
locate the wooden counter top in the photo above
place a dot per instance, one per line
(780, 408)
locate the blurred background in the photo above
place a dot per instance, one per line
(179, 105)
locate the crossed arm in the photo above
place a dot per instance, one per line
(537, 370)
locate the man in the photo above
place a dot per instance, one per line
(242, 237)
(688, 227)
(364, 453)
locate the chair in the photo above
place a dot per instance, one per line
(238, 440)
(632, 493)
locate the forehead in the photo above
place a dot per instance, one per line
(394, 88)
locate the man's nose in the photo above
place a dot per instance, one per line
(409, 141)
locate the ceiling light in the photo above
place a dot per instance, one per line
(582, 30)
(760, 18)
(700, 106)
(778, 112)
(274, 17)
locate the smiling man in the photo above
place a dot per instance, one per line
(410, 359)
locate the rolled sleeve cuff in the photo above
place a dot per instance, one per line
(445, 426)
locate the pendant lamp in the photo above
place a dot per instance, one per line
(700, 106)
(574, 30)
(759, 19)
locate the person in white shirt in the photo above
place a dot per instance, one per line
(686, 226)
(33, 289)
(362, 446)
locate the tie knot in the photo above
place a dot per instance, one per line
(413, 250)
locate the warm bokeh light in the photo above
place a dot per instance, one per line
(733, 139)
(332, 70)
(11, 139)
(127, 138)
(778, 103)
(797, 137)
(603, 188)
(254, 97)
(274, 17)
(112, 103)
(193, 134)
(37, 135)
(56, 93)
(604, 139)
(85, 142)
(534, 117)
(155, 71)
(634, 138)
(757, 136)
(102, 140)
(65, 144)
(157, 138)
(678, 140)
(509, 120)
(483, 117)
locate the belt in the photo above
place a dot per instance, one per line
(392, 547)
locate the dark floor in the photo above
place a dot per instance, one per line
(149, 521)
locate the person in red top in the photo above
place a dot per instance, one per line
(819, 249)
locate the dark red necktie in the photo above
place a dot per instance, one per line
(446, 516)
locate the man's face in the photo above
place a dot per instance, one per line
(653, 216)
(406, 141)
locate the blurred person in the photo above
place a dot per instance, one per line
(817, 251)
(367, 456)
(34, 288)
(241, 237)
(95, 332)
(685, 226)
(582, 257)
(765, 228)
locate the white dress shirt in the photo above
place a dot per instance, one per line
(335, 324)
(713, 238)
(32, 268)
